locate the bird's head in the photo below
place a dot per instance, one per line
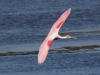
(68, 37)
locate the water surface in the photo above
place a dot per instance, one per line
(25, 24)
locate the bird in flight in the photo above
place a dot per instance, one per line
(53, 34)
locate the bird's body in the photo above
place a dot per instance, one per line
(53, 34)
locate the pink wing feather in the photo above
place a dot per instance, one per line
(57, 25)
(43, 50)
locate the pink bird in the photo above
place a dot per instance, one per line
(53, 34)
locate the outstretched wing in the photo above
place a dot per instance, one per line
(43, 51)
(57, 25)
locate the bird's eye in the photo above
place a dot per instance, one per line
(59, 25)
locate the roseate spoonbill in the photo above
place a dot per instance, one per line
(53, 34)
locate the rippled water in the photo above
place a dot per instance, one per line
(24, 25)
(29, 22)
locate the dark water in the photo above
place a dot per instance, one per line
(25, 23)
(87, 63)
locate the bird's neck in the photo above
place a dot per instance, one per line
(63, 37)
(60, 37)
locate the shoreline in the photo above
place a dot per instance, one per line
(65, 49)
